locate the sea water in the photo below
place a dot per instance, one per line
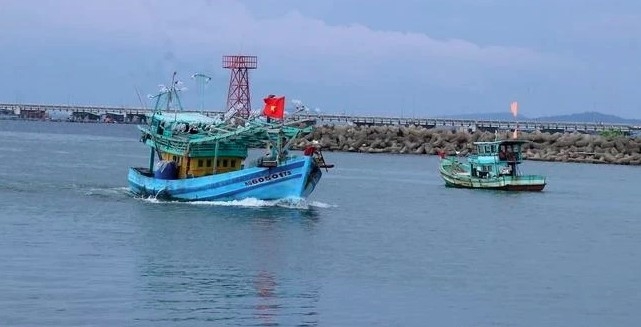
(381, 242)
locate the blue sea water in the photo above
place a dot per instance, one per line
(381, 242)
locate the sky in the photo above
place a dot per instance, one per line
(409, 58)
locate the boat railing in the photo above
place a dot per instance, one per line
(167, 143)
(266, 162)
(529, 177)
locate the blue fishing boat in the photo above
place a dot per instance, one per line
(495, 165)
(197, 157)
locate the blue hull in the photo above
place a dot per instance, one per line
(294, 178)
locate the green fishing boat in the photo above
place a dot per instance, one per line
(495, 165)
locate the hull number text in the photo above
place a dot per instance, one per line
(268, 178)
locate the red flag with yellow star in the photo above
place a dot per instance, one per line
(274, 107)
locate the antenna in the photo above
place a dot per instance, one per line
(172, 94)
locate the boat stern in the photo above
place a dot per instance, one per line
(142, 183)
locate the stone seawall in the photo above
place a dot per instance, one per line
(568, 147)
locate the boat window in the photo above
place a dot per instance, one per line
(200, 162)
(218, 163)
(224, 162)
(173, 158)
(232, 163)
(208, 162)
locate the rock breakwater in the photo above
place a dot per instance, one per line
(561, 147)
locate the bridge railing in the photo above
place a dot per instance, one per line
(359, 120)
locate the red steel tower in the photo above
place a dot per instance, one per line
(238, 94)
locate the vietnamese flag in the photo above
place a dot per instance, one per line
(274, 107)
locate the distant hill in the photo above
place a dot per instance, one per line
(486, 116)
(589, 117)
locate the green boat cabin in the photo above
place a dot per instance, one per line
(498, 158)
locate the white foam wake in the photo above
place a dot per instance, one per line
(293, 203)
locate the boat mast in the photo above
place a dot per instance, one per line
(152, 134)
(172, 88)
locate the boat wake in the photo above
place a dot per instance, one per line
(290, 203)
(107, 191)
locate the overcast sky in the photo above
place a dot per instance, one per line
(418, 58)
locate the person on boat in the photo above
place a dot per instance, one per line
(311, 149)
(509, 155)
(502, 154)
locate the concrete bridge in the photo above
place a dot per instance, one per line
(76, 112)
(138, 115)
(474, 124)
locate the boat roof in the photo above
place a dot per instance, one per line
(255, 132)
(502, 142)
(185, 117)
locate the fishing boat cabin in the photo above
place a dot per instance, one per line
(181, 138)
(498, 158)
